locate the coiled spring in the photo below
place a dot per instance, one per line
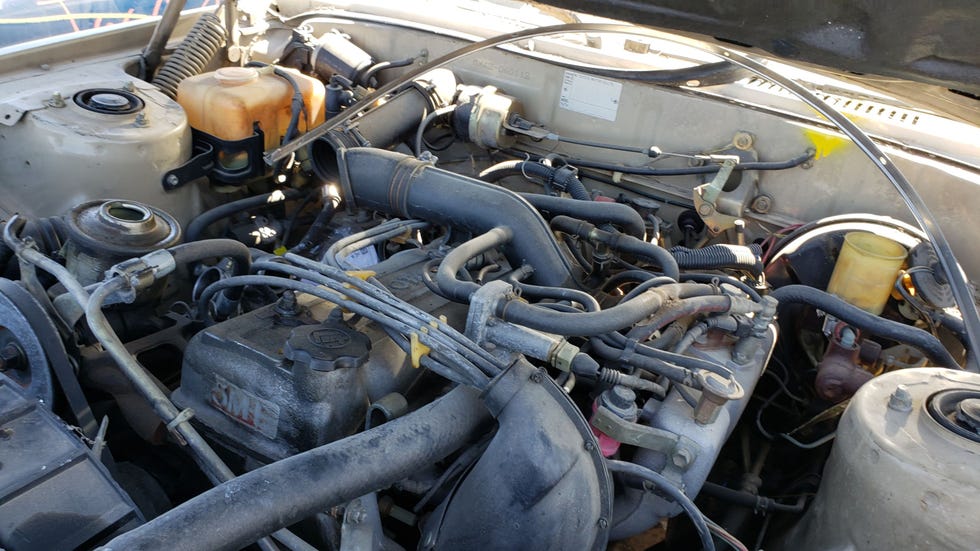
(195, 52)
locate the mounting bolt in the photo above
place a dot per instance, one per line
(743, 141)
(705, 209)
(129, 86)
(589, 445)
(761, 204)
(536, 377)
(681, 458)
(173, 180)
(900, 399)
(142, 120)
(56, 100)
(603, 523)
(287, 304)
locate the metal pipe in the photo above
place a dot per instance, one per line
(153, 52)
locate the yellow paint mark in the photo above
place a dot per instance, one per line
(418, 349)
(824, 143)
(361, 274)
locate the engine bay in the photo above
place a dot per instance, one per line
(338, 280)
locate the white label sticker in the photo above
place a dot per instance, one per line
(244, 407)
(589, 95)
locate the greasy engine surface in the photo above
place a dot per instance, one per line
(293, 287)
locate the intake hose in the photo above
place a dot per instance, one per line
(620, 242)
(564, 178)
(406, 187)
(257, 503)
(194, 53)
(597, 212)
(869, 323)
(387, 124)
(717, 257)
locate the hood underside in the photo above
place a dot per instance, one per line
(930, 42)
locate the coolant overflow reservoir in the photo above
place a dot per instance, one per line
(866, 270)
(225, 103)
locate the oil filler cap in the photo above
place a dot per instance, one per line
(328, 346)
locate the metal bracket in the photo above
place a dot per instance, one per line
(642, 436)
(182, 417)
(706, 196)
(209, 151)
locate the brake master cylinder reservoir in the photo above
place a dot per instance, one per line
(225, 103)
(866, 270)
(903, 472)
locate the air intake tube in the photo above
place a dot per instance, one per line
(386, 124)
(404, 186)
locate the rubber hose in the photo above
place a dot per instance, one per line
(582, 323)
(676, 494)
(679, 310)
(287, 491)
(564, 178)
(870, 323)
(723, 279)
(196, 251)
(201, 222)
(194, 54)
(321, 225)
(717, 257)
(745, 499)
(620, 242)
(596, 212)
(449, 284)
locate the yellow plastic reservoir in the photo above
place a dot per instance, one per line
(226, 102)
(866, 270)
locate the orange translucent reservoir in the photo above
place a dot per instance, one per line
(225, 103)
